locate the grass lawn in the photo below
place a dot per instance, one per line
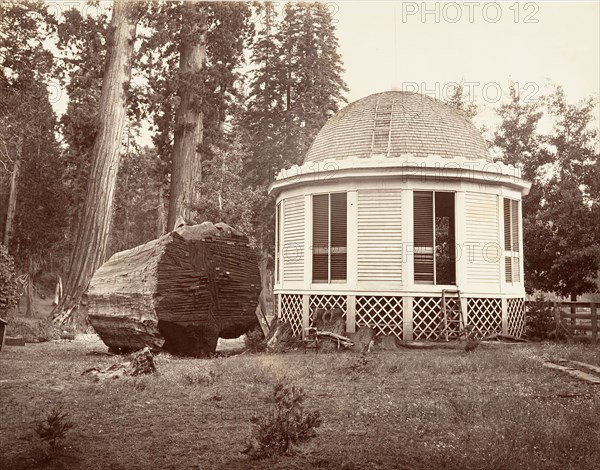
(495, 408)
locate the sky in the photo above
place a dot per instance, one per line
(426, 47)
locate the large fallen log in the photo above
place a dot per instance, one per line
(179, 293)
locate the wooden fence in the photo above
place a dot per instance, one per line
(578, 318)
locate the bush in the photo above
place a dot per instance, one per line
(278, 431)
(34, 329)
(539, 319)
(9, 288)
(199, 377)
(255, 340)
(360, 364)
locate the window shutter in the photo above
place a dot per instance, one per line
(511, 240)
(508, 268)
(423, 236)
(515, 240)
(514, 219)
(292, 239)
(507, 230)
(320, 243)
(338, 236)
(507, 242)
(277, 242)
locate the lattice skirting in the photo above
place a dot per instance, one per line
(327, 302)
(290, 310)
(383, 314)
(515, 312)
(427, 317)
(484, 316)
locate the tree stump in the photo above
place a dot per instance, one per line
(330, 320)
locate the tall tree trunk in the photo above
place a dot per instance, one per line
(187, 165)
(161, 219)
(29, 296)
(94, 227)
(12, 195)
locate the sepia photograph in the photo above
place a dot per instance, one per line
(344, 235)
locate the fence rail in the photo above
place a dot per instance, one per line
(578, 317)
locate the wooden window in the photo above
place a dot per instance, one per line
(434, 250)
(330, 237)
(423, 232)
(277, 243)
(511, 241)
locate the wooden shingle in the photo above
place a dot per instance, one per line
(420, 125)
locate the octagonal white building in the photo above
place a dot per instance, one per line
(398, 200)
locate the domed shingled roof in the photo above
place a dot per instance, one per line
(396, 123)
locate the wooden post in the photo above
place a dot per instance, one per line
(305, 311)
(463, 306)
(504, 316)
(594, 312)
(3, 324)
(557, 320)
(278, 305)
(573, 310)
(407, 318)
(351, 314)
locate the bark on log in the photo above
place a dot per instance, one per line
(179, 293)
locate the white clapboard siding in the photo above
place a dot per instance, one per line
(293, 239)
(481, 250)
(379, 228)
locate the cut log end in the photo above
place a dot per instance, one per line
(180, 292)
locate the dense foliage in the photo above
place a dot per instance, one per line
(539, 319)
(9, 287)
(561, 215)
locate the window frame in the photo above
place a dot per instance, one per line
(330, 249)
(278, 235)
(432, 250)
(511, 225)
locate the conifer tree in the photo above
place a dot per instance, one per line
(205, 93)
(27, 121)
(93, 231)
(296, 85)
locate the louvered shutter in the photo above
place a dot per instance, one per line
(515, 224)
(338, 215)
(292, 253)
(507, 242)
(423, 236)
(277, 243)
(320, 243)
(514, 219)
(511, 240)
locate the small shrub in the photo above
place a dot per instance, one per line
(33, 329)
(199, 377)
(361, 364)
(539, 318)
(54, 427)
(255, 340)
(9, 287)
(278, 432)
